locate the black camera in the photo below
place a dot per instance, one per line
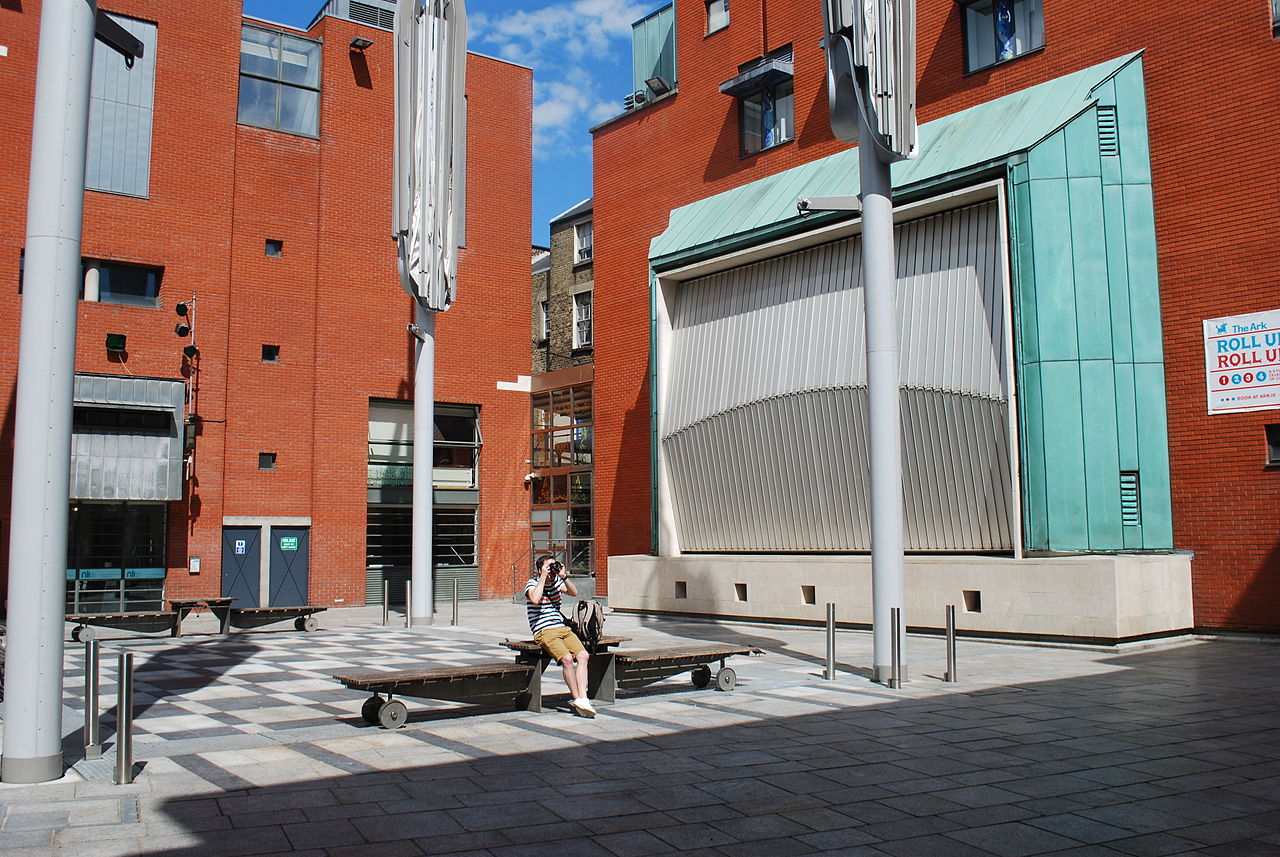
(557, 567)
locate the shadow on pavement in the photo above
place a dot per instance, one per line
(1161, 752)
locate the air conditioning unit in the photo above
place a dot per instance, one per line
(635, 99)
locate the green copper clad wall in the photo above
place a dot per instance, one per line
(1087, 330)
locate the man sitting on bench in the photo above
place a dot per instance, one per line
(542, 594)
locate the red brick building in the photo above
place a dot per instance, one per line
(247, 166)
(1207, 73)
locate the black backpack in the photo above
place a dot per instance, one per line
(587, 621)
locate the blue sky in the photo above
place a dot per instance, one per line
(580, 52)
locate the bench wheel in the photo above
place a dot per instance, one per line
(83, 634)
(393, 714)
(306, 623)
(369, 711)
(701, 676)
(726, 679)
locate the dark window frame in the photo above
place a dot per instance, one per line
(279, 81)
(968, 6)
(723, 26)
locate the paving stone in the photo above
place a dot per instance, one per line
(1015, 839)
(633, 843)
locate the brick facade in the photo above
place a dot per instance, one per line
(1215, 195)
(565, 277)
(331, 302)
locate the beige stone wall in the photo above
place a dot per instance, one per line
(1113, 597)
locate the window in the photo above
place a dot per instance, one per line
(544, 320)
(562, 429)
(999, 30)
(582, 320)
(766, 96)
(717, 15)
(1275, 17)
(1273, 436)
(279, 81)
(653, 49)
(582, 242)
(266, 461)
(117, 283)
(457, 444)
(766, 118)
(270, 353)
(115, 557)
(454, 535)
(274, 248)
(121, 106)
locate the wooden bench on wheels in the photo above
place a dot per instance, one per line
(255, 617)
(219, 607)
(601, 681)
(644, 667)
(147, 622)
(493, 682)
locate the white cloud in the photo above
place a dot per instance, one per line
(567, 44)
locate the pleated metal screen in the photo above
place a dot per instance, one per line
(765, 417)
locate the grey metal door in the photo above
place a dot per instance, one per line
(290, 562)
(241, 565)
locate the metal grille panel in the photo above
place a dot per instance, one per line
(765, 421)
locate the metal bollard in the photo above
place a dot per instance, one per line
(386, 591)
(455, 602)
(124, 721)
(951, 644)
(408, 601)
(92, 740)
(830, 672)
(895, 626)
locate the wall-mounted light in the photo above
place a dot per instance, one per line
(659, 85)
(359, 43)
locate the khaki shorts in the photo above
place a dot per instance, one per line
(559, 642)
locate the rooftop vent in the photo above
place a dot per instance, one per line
(374, 16)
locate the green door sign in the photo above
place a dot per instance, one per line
(288, 543)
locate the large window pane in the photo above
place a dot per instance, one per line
(300, 62)
(257, 102)
(128, 284)
(259, 52)
(299, 110)
(455, 535)
(279, 81)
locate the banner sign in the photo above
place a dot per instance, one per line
(1242, 362)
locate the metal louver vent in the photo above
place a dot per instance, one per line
(1108, 132)
(372, 15)
(1130, 500)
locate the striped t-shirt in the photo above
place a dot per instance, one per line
(546, 613)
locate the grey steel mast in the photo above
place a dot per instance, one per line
(871, 81)
(429, 218)
(46, 375)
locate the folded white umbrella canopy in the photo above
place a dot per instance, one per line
(430, 147)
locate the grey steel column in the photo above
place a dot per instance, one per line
(830, 672)
(92, 685)
(880, 281)
(895, 674)
(455, 602)
(124, 720)
(952, 675)
(424, 436)
(46, 372)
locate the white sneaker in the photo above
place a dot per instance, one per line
(582, 708)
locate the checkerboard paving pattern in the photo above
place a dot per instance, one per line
(211, 687)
